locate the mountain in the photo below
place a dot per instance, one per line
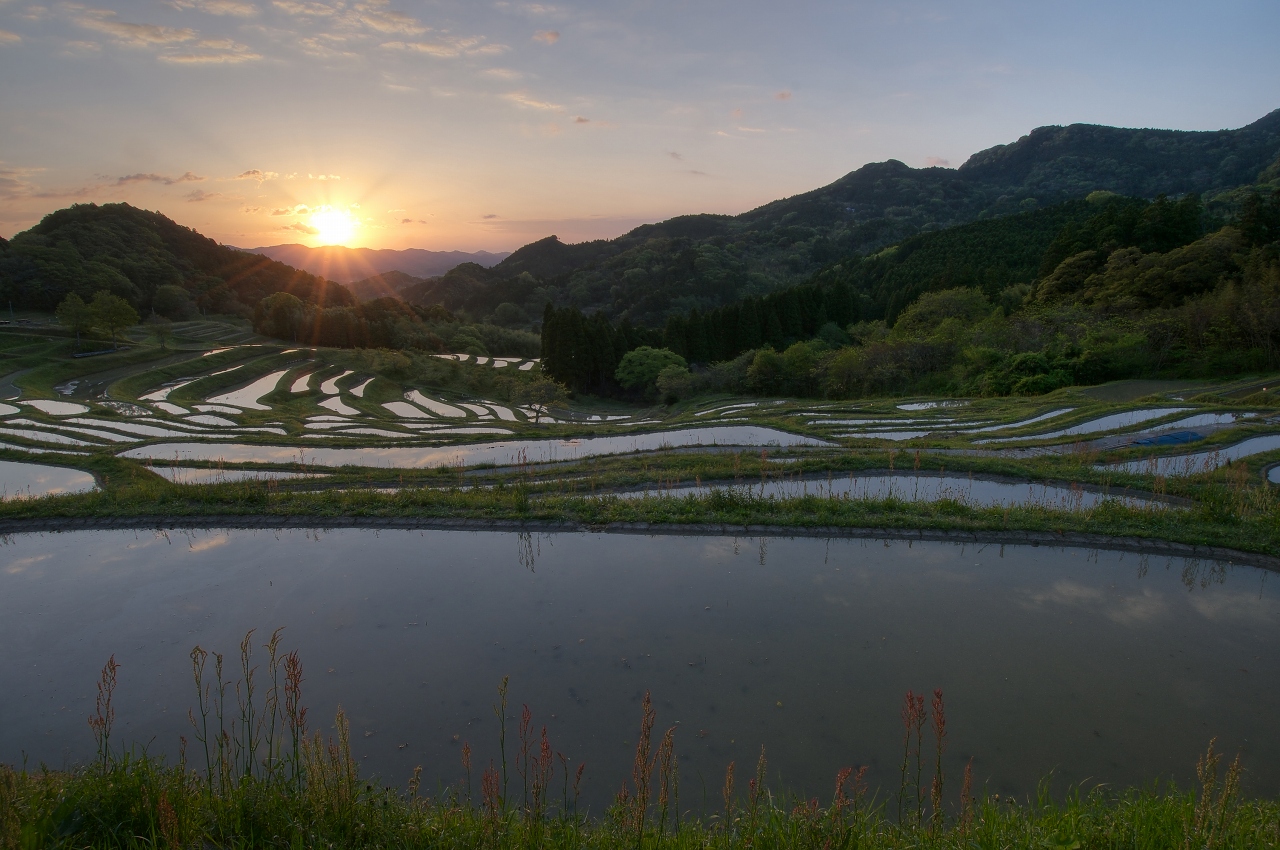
(147, 259)
(385, 285)
(346, 265)
(707, 261)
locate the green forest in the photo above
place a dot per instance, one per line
(1087, 291)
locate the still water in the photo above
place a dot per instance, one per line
(505, 452)
(1091, 664)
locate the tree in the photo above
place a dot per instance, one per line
(112, 313)
(160, 329)
(539, 394)
(74, 315)
(641, 366)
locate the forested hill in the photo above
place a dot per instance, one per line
(147, 259)
(706, 261)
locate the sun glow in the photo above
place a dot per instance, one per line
(334, 226)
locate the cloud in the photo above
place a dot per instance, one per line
(297, 9)
(256, 174)
(188, 177)
(74, 48)
(546, 36)
(937, 161)
(782, 95)
(412, 221)
(302, 228)
(300, 209)
(235, 8)
(751, 130)
(448, 48)
(200, 195)
(386, 21)
(697, 173)
(222, 51)
(323, 177)
(7, 37)
(581, 120)
(14, 183)
(502, 73)
(675, 155)
(488, 216)
(522, 99)
(134, 35)
(250, 210)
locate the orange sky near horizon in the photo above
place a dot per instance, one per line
(456, 125)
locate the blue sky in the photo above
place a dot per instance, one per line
(485, 125)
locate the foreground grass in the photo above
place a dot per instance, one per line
(265, 781)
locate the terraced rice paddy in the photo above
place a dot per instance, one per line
(222, 396)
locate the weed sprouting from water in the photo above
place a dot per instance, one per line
(268, 782)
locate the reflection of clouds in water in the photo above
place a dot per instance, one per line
(1237, 606)
(208, 543)
(1128, 610)
(21, 565)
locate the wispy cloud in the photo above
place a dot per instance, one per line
(301, 228)
(188, 177)
(546, 36)
(256, 174)
(782, 95)
(300, 209)
(676, 155)
(7, 37)
(448, 48)
(221, 51)
(235, 8)
(523, 99)
(380, 19)
(304, 9)
(200, 195)
(134, 35)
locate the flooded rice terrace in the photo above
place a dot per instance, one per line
(1095, 665)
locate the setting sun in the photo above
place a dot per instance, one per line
(333, 226)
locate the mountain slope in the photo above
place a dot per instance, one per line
(346, 265)
(137, 255)
(706, 261)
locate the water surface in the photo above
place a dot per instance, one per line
(506, 452)
(1097, 665)
(29, 480)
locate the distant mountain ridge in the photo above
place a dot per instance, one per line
(707, 261)
(347, 265)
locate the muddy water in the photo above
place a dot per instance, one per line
(1091, 664)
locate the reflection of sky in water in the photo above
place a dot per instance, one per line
(24, 480)
(1098, 665)
(1197, 462)
(505, 452)
(924, 488)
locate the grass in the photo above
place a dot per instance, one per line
(254, 775)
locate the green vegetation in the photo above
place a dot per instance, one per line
(136, 254)
(1096, 290)
(255, 775)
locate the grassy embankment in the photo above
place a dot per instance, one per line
(1232, 507)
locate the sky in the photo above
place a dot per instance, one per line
(486, 125)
